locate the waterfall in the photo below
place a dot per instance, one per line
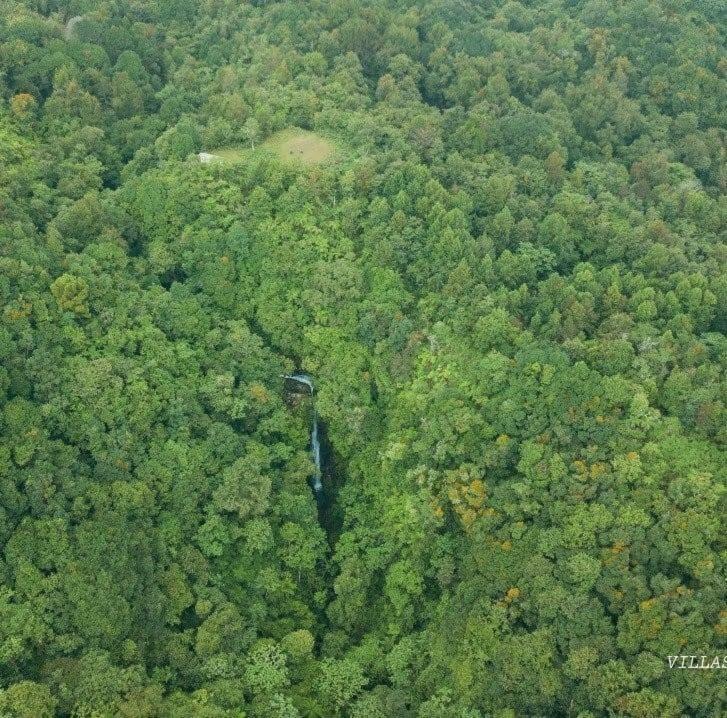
(304, 379)
(315, 444)
(70, 25)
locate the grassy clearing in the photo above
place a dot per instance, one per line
(230, 154)
(291, 145)
(296, 145)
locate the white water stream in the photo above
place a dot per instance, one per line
(315, 444)
(68, 30)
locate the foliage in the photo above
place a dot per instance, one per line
(502, 258)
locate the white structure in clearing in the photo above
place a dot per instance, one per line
(206, 157)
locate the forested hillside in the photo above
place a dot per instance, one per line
(494, 234)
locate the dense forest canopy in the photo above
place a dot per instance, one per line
(494, 233)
